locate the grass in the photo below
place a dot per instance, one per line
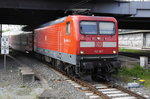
(22, 86)
(128, 73)
(133, 50)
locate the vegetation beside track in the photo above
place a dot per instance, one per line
(127, 74)
(134, 50)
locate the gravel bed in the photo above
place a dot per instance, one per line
(61, 89)
(10, 77)
(11, 84)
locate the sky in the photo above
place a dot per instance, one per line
(11, 29)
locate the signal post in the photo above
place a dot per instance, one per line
(4, 48)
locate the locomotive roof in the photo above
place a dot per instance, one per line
(62, 20)
(53, 22)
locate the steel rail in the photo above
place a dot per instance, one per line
(129, 92)
(90, 86)
(95, 90)
(84, 84)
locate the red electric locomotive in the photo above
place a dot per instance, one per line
(80, 44)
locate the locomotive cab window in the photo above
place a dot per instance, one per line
(106, 28)
(68, 28)
(87, 27)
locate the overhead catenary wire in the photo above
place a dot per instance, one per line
(79, 3)
(73, 8)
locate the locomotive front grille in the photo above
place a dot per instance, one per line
(87, 44)
(98, 44)
(109, 44)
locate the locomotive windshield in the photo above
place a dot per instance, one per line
(104, 28)
(88, 27)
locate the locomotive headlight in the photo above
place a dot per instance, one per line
(98, 38)
(114, 52)
(81, 52)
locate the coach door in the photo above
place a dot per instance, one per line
(67, 38)
(60, 41)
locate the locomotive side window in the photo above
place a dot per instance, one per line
(68, 28)
(107, 28)
(88, 27)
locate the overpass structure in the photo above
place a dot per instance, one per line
(130, 14)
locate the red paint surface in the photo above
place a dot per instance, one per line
(54, 37)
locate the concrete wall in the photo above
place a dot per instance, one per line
(147, 40)
(131, 40)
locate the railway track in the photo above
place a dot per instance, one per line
(135, 55)
(99, 90)
(105, 90)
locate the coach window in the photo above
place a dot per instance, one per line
(68, 28)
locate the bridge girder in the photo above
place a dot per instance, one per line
(35, 12)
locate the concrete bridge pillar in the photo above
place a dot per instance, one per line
(0, 34)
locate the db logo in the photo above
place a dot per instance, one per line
(98, 44)
(67, 40)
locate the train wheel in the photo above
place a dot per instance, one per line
(94, 74)
(98, 77)
(42, 57)
(69, 69)
(59, 64)
(47, 59)
(53, 62)
(94, 77)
